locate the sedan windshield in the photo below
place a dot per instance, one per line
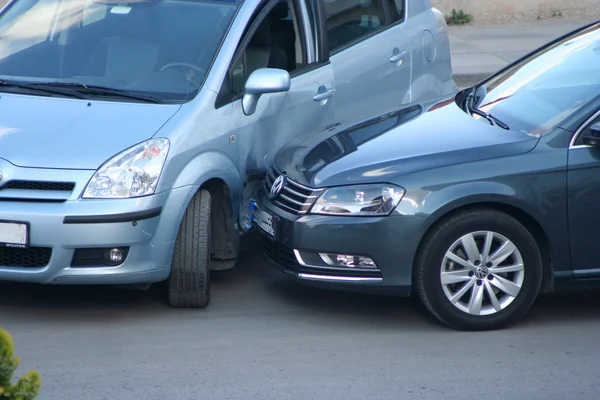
(541, 91)
(138, 49)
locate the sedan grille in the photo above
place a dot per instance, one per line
(294, 197)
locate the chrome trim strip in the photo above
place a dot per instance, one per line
(283, 196)
(299, 258)
(578, 132)
(314, 277)
(331, 268)
(287, 189)
(288, 208)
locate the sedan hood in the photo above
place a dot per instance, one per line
(398, 143)
(44, 132)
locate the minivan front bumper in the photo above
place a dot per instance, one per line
(70, 240)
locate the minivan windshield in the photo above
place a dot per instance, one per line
(541, 91)
(161, 49)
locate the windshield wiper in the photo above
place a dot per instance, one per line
(102, 90)
(471, 109)
(37, 88)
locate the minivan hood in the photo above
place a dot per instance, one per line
(384, 148)
(45, 132)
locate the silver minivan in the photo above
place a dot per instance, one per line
(134, 132)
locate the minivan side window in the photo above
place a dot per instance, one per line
(350, 20)
(400, 9)
(276, 43)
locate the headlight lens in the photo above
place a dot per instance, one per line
(365, 200)
(132, 173)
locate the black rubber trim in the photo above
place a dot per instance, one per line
(112, 218)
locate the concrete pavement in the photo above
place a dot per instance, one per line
(265, 337)
(480, 50)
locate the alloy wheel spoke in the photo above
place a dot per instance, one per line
(507, 268)
(470, 246)
(476, 300)
(487, 245)
(505, 285)
(493, 299)
(450, 277)
(457, 296)
(503, 252)
(460, 261)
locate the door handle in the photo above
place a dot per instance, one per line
(398, 56)
(324, 95)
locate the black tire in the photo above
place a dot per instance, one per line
(431, 255)
(188, 285)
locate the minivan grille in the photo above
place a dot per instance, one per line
(39, 185)
(294, 197)
(32, 257)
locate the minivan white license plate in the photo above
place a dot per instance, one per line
(14, 234)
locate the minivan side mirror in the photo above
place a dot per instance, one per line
(591, 136)
(263, 81)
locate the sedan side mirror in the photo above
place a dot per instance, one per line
(591, 137)
(263, 81)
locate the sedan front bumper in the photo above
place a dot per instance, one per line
(299, 240)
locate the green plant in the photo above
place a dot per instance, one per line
(458, 18)
(27, 387)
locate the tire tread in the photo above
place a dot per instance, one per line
(189, 282)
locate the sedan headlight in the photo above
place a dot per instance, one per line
(131, 173)
(360, 200)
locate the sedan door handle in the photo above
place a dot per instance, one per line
(324, 95)
(398, 56)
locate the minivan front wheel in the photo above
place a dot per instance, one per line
(479, 270)
(188, 285)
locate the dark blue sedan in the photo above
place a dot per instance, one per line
(476, 204)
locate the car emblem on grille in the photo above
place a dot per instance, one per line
(278, 186)
(1, 175)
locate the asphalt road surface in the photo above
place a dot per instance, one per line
(266, 337)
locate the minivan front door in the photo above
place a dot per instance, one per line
(282, 40)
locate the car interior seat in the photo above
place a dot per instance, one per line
(283, 32)
(262, 53)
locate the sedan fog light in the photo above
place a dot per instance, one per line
(344, 260)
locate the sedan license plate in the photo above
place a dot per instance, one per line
(14, 234)
(265, 221)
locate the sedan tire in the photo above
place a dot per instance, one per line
(188, 285)
(478, 270)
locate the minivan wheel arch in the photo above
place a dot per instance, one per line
(225, 238)
(532, 225)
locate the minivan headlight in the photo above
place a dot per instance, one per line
(359, 200)
(131, 173)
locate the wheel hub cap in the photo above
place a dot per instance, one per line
(482, 272)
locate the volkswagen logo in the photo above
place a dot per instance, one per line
(278, 186)
(481, 272)
(1, 176)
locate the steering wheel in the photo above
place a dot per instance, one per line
(183, 64)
